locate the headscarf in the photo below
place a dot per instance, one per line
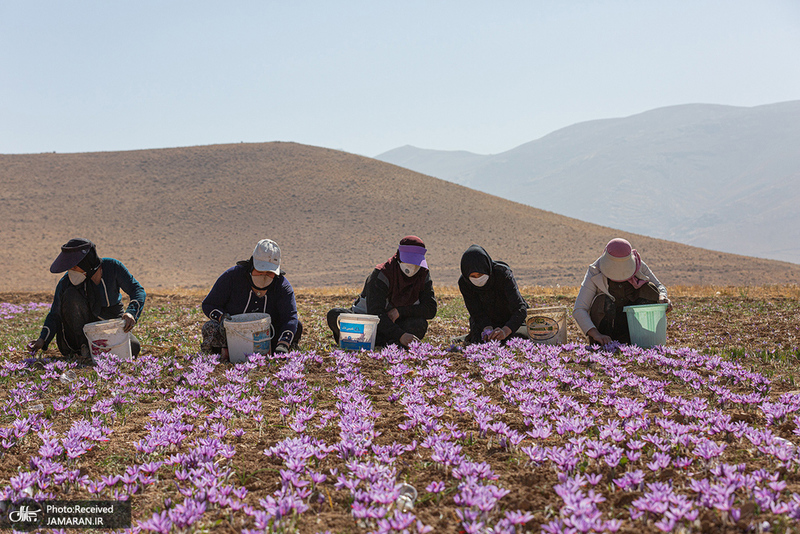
(405, 290)
(90, 263)
(476, 260)
(634, 280)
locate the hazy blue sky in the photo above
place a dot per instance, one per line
(366, 77)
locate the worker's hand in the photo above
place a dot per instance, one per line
(407, 339)
(393, 314)
(486, 333)
(665, 300)
(600, 339)
(499, 334)
(36, 346)
(281, 348)
(130, 322)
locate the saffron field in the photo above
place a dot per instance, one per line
(698, 436)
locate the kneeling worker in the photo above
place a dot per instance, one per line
(88, 292)
(254, 285)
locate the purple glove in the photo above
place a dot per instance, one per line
(486, 332)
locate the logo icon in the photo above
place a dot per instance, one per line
(542, 328)
(25, 515)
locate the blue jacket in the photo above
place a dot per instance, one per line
(232, 294)
(105, 297)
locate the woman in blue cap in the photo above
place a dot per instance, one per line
(400, 292)
(88, 292)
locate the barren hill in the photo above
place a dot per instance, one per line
(721, 177)
(179, 217)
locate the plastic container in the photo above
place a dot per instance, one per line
(248, 333)
(406, 498)
(357, 331)
(108, 336)
(547, 325)
(647, 324)
(68, 377)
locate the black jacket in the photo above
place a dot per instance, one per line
(496, 304)
(374, 301)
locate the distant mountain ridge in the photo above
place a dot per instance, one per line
(719, 177)
(179, 217)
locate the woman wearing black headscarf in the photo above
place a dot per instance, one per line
(496, 308)
(88, 292)
(400, 292)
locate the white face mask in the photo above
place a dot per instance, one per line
(261, 281)
(409, 269)
(480, 281)
(76, 278)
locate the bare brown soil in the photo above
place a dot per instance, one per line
(750, 324)
(179, 217)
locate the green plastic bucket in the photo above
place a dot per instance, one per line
(647, 324)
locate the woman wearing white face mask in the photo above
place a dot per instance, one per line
(496, 308)
(400, 292)
(254, 285)
(88, 292)
(618, 278)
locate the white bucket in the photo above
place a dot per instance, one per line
(248, 333)
(647, 324)
(547, 325)
(108, 336)
(357, 331)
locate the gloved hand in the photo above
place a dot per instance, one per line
(130, 322)
(281, 348)
(486, 333)
(226, 317)
(35, 346)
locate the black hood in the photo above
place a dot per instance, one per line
(475, 260)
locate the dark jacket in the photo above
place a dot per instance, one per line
(496, 304)
(104, 298)
(232, 294)
(374, 301)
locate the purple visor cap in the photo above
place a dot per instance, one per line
(71, 255)
(413, 254)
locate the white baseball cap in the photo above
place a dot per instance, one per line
(267, 256)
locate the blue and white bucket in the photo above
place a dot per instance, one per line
(357, 331)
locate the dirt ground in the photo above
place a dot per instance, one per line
(761, 331)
